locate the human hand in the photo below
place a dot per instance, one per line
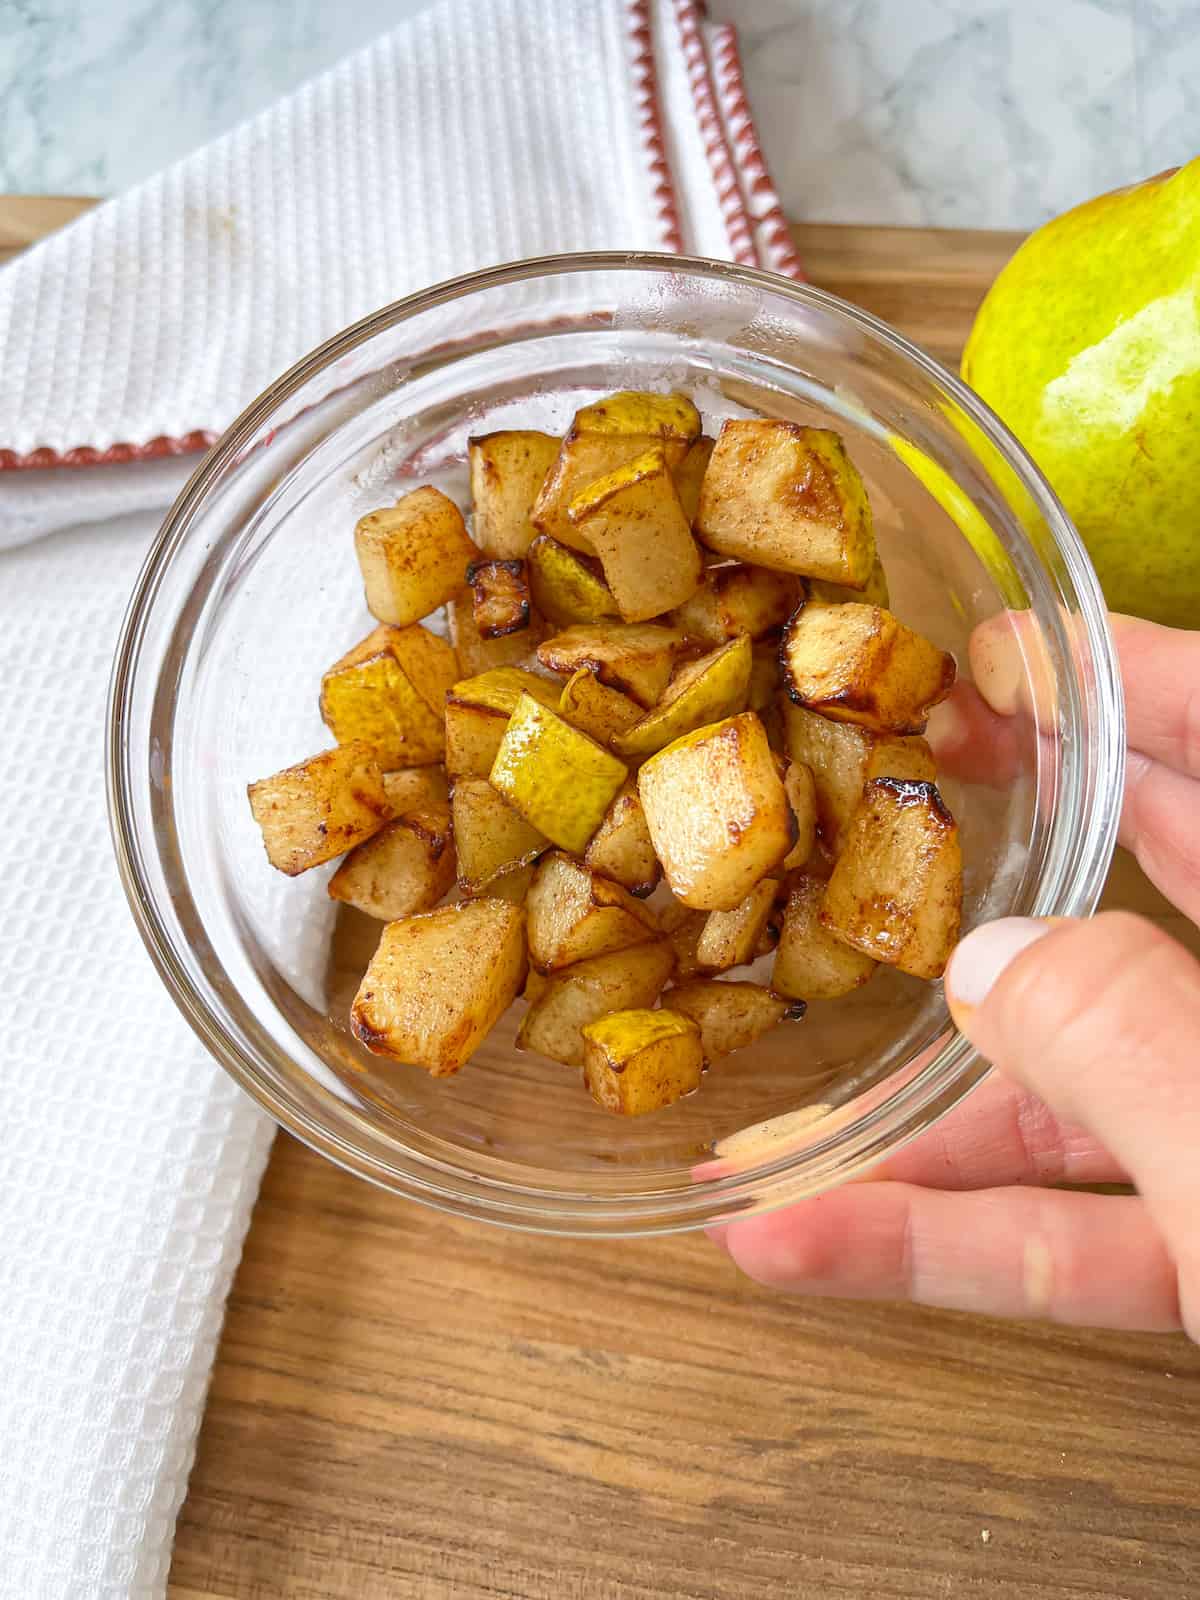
(1095, 1029)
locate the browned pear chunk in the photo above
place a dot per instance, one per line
(567, 586)
(407, 866)
(584, 456)
(737, 599)
(563, 1004)
(810, 964)
(638, 1061)
(730, 1016)
(860, 664)
(439, 982)
(599, 711)
(633, 520)
(390, 692)
(731, 938)
(717, 812)
(417, 789)
(842, 757)
(477, 714)
(413, 555)
(689, 475)
(620, 848)
(896, 891)
(575, 914)
(508, 469)
(500, 598)
(634, 657)
(321, 807)
(787, 497)
(490, 838)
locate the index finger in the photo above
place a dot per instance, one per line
(1160, 668)
(1100, 1019)
(1160, 671)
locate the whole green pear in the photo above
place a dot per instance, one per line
(1088, 346)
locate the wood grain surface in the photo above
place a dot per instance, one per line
(411, 1407)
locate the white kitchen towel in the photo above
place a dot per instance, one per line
(472, 134)
(478, 131)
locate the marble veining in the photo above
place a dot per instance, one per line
(955, 113)
(961, 113)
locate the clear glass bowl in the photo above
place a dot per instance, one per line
(252, 589)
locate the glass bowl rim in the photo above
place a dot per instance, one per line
(853, 1146)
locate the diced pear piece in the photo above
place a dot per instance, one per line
(632, 518)
(511, 885)
(801, 791)
(810, 964)
(620, 848)
(407, 866)
(562, 1005)
(490, 838)
(896, 890)
(566, 586)
(500, 601)
(321, 807)
(417, 789)
(689, 475)
(389, 691)
(634, 657)
(730, 938)
(700, 693)
(477, 655)
(555, 776)
(641, 411)
(860, 664)
(842, 757)
(536, 984)
(508, 469)
(717, 812)
(437, 983)
(600, 711)
(477, 713)
(684, 927)
(575, 914)
(873, 593)
(413, 556)
(730, 1016)
(637, 1061)
(787, 497)
(737, 599)
(763, 691)
(428, 660)
(584, 456)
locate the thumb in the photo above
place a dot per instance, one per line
(1101, 1019)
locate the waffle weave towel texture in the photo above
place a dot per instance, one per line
(478, 131)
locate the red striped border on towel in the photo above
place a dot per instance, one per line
(754, 219)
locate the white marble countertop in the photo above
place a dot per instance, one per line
(946, 112)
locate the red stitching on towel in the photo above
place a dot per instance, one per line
(738, 223)
(778, 247)
(650, 122)
(728, 153)
(86, 455)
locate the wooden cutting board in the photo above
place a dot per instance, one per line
(410, 1407)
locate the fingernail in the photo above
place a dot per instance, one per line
(985, 953)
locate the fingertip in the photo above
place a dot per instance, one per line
(776, 1248)
(997, 663)
(981, 958)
